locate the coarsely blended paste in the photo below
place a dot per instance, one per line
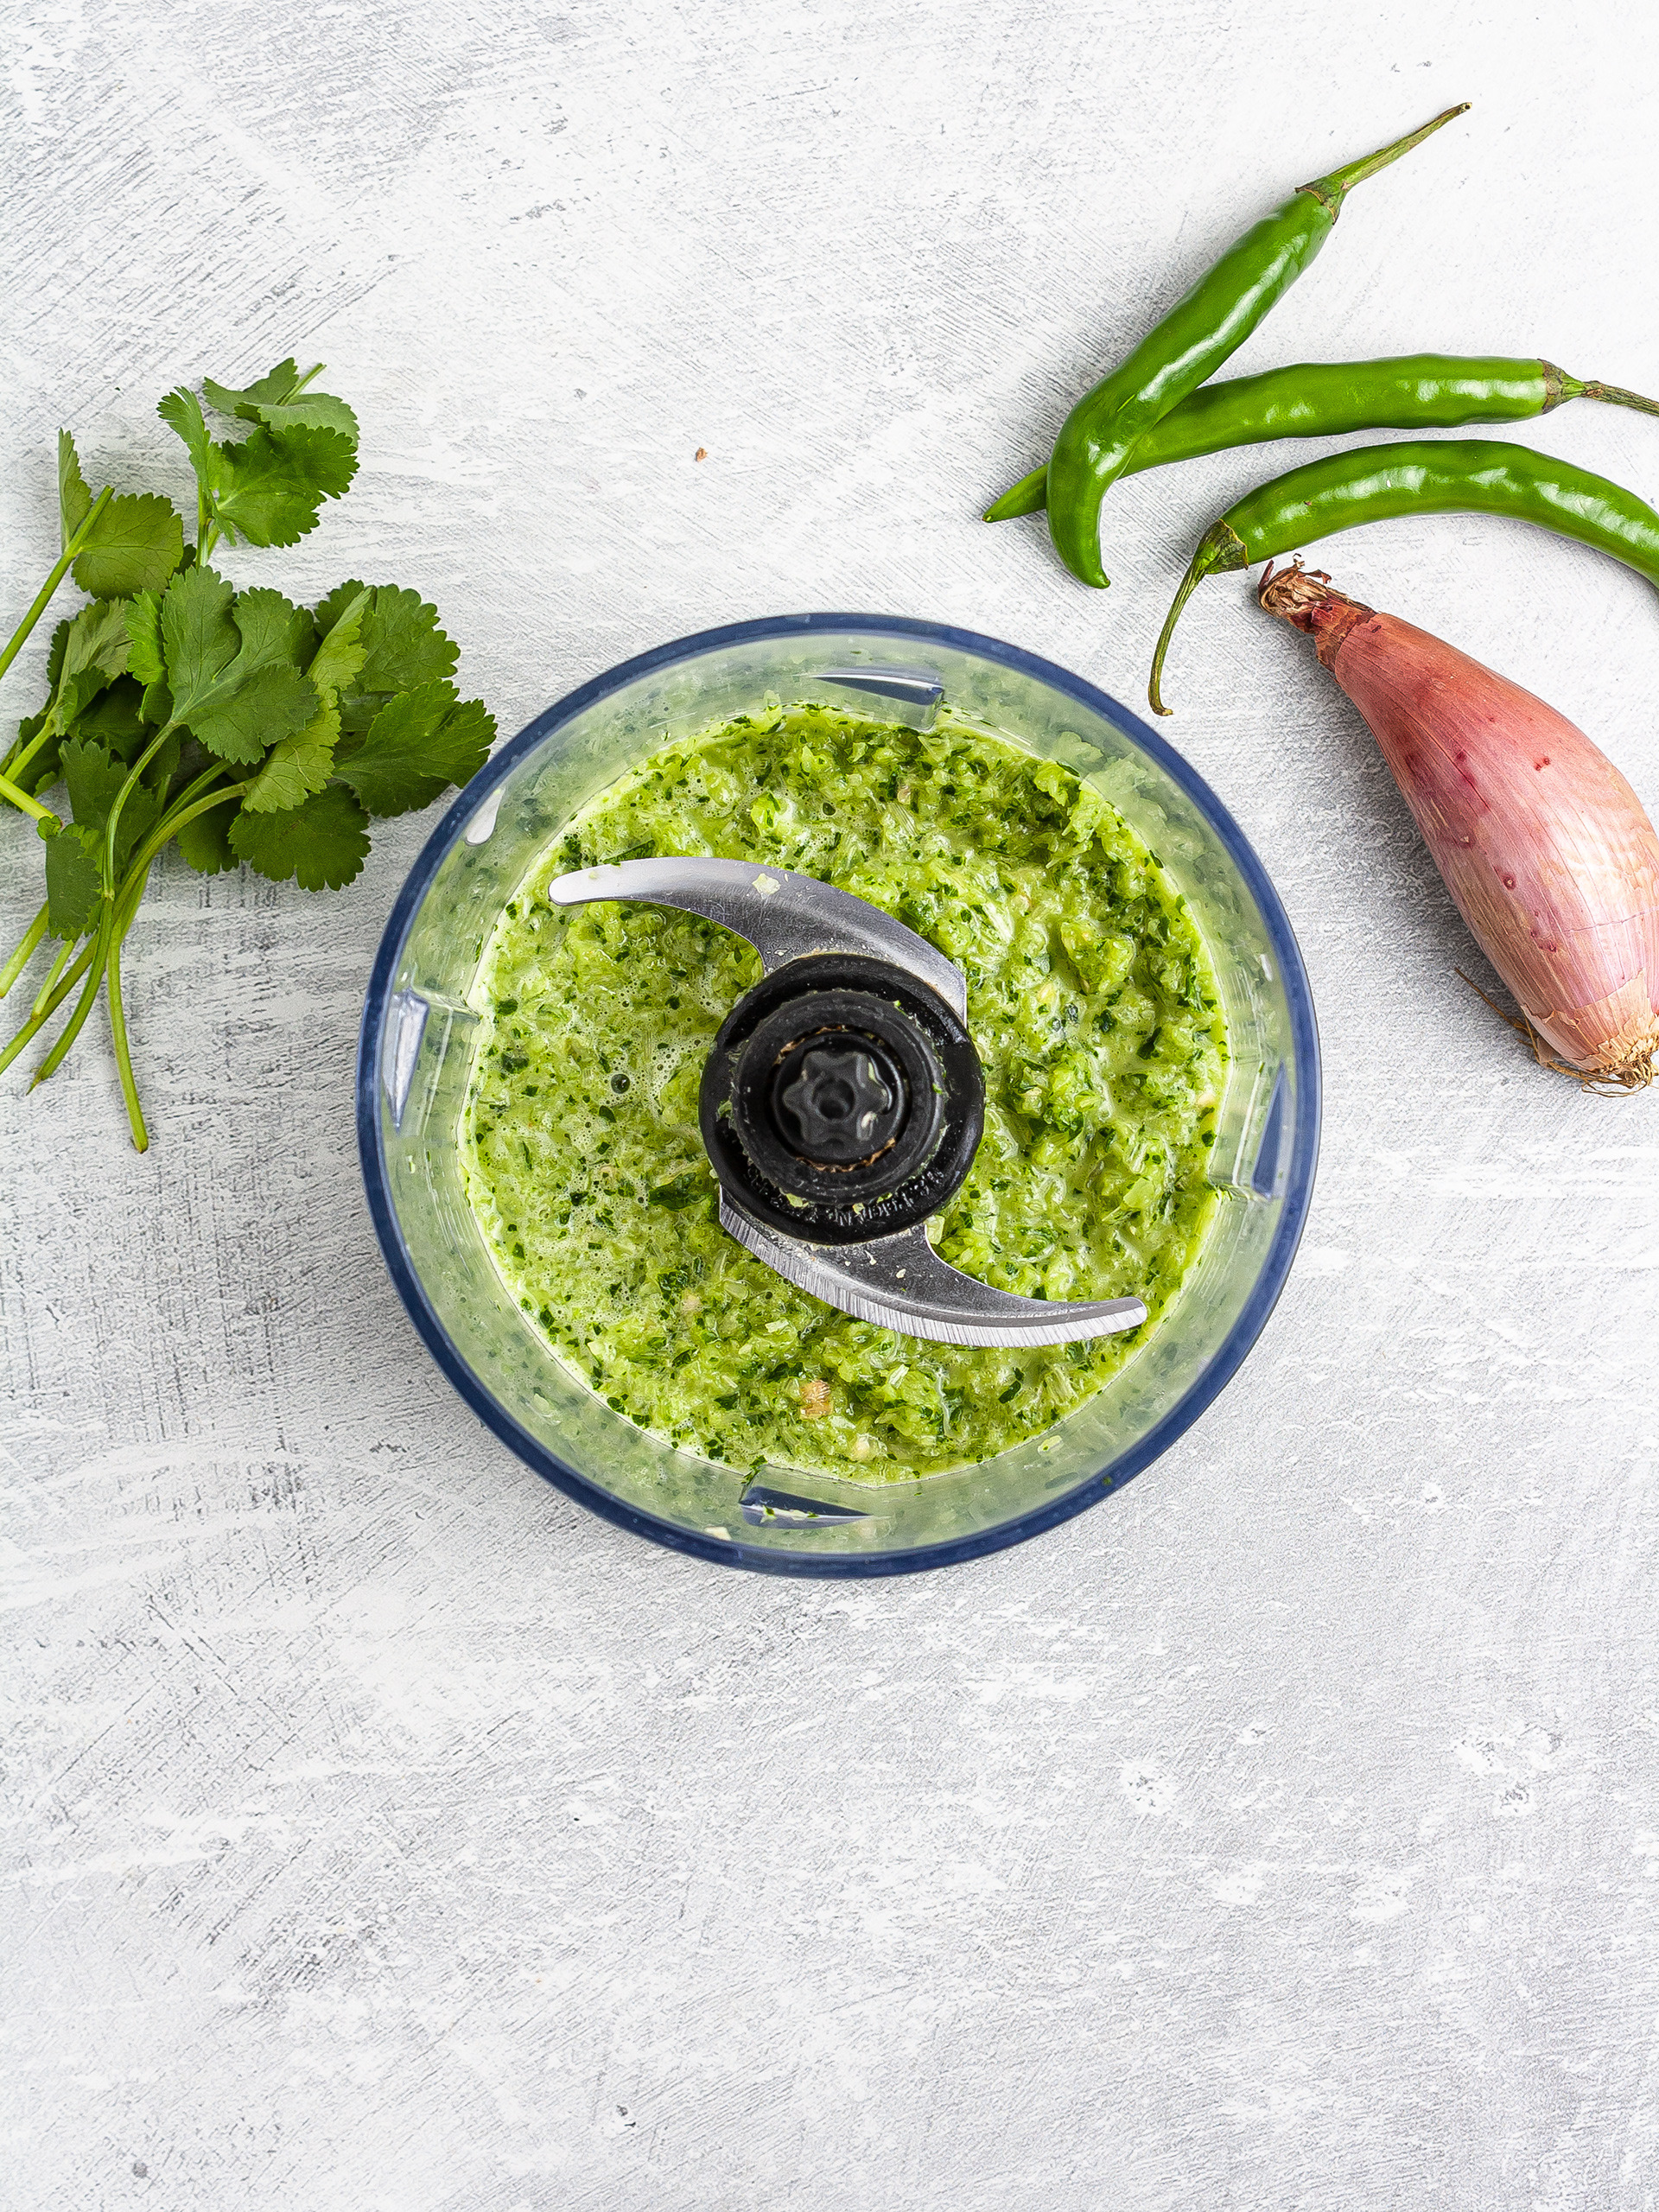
(1091, 1002)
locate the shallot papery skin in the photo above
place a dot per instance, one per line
(1544, 846)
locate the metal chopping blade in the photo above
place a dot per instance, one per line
(843, 982)
(783, 915)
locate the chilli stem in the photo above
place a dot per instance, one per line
(1616, 395)
(1221, 548)
(1343, 181)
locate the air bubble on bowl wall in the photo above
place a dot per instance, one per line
(1268, 1177)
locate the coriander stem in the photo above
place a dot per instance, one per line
(164, 830)
(120, 798)
(52, 975)
(207, 527)
(21, 799)
(172, 823)
(25, 952)
(118, 1037)
(44, 1013)
(43, 596)
(21, 756)
(100, 952)
(57, 985)
(123, 909)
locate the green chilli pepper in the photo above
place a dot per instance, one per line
(1189, 345)
(1328, 399)
(1432, 476)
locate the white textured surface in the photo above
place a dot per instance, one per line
(390, 1835)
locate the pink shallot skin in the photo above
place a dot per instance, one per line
(1544, 846)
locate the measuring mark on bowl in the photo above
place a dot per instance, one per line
(759, 1504)
(405, 1027)
(481, 827)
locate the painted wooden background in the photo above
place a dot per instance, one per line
(386, 1835)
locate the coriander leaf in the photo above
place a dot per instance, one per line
(40, 768)
(135, 545)
(280, 401)
(181, 411)
(299, 765)
(93, 776)
(341, 653)
(273, 629)
(95, 651)
(270, 390)
(419, 743)
(74, 500)
(327, 612)
(113, 720)
(88, 654)
(99, 642)
(145, 657)
(269, 489)
(403, 643)
(73, 885)
(198, 640)
(323, 843)
(75, 694)
(54, 653)
(205, 841)
(311, 411)
(239, 697)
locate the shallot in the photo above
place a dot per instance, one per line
(1545, 847)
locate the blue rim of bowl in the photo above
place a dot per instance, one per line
(1206, 1387)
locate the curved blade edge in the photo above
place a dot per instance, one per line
(900, 1282)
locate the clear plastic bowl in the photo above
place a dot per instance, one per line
(418, 1034)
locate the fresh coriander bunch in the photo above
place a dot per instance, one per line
(233, 725)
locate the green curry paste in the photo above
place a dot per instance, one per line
(1093, 1007)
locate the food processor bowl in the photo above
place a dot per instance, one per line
(420, 1029)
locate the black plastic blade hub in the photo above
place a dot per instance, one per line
(843, 1100)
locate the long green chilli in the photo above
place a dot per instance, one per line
(1330, 399)
(1430, 476)
(1198, 333)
